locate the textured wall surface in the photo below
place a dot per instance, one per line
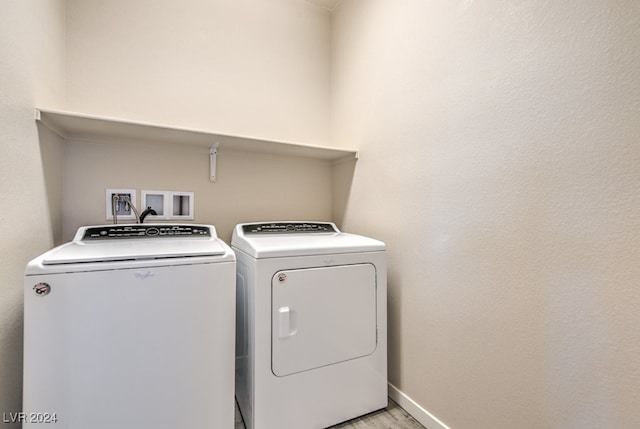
(242, 67)
(250, 186)
(253, 68)
(31, 71)
(238, 67)
(499, 152)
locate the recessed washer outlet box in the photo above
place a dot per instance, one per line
(121, 207)
(157, 200)
(182, 205)
(170, 205)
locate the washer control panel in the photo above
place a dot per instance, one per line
(111, 232)
(288, 228)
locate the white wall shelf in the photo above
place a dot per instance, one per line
(78, 126)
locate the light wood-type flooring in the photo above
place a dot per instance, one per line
(392, 417)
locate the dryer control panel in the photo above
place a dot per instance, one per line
(110, 232)
(289, 228)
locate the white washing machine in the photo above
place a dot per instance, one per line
(311, 329)
(131, 326)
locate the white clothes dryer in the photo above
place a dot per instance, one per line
(311, 328)
(131, 326)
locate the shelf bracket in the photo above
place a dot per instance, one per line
(213, 158)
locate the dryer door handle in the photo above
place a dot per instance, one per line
(287, 322)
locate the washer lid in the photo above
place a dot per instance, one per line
(124, 250)
(127, 242)
(300, 241)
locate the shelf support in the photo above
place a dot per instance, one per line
(213, 158)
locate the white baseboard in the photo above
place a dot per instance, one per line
(425, 418)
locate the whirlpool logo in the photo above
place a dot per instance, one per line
(42, 289)
(143, 275)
